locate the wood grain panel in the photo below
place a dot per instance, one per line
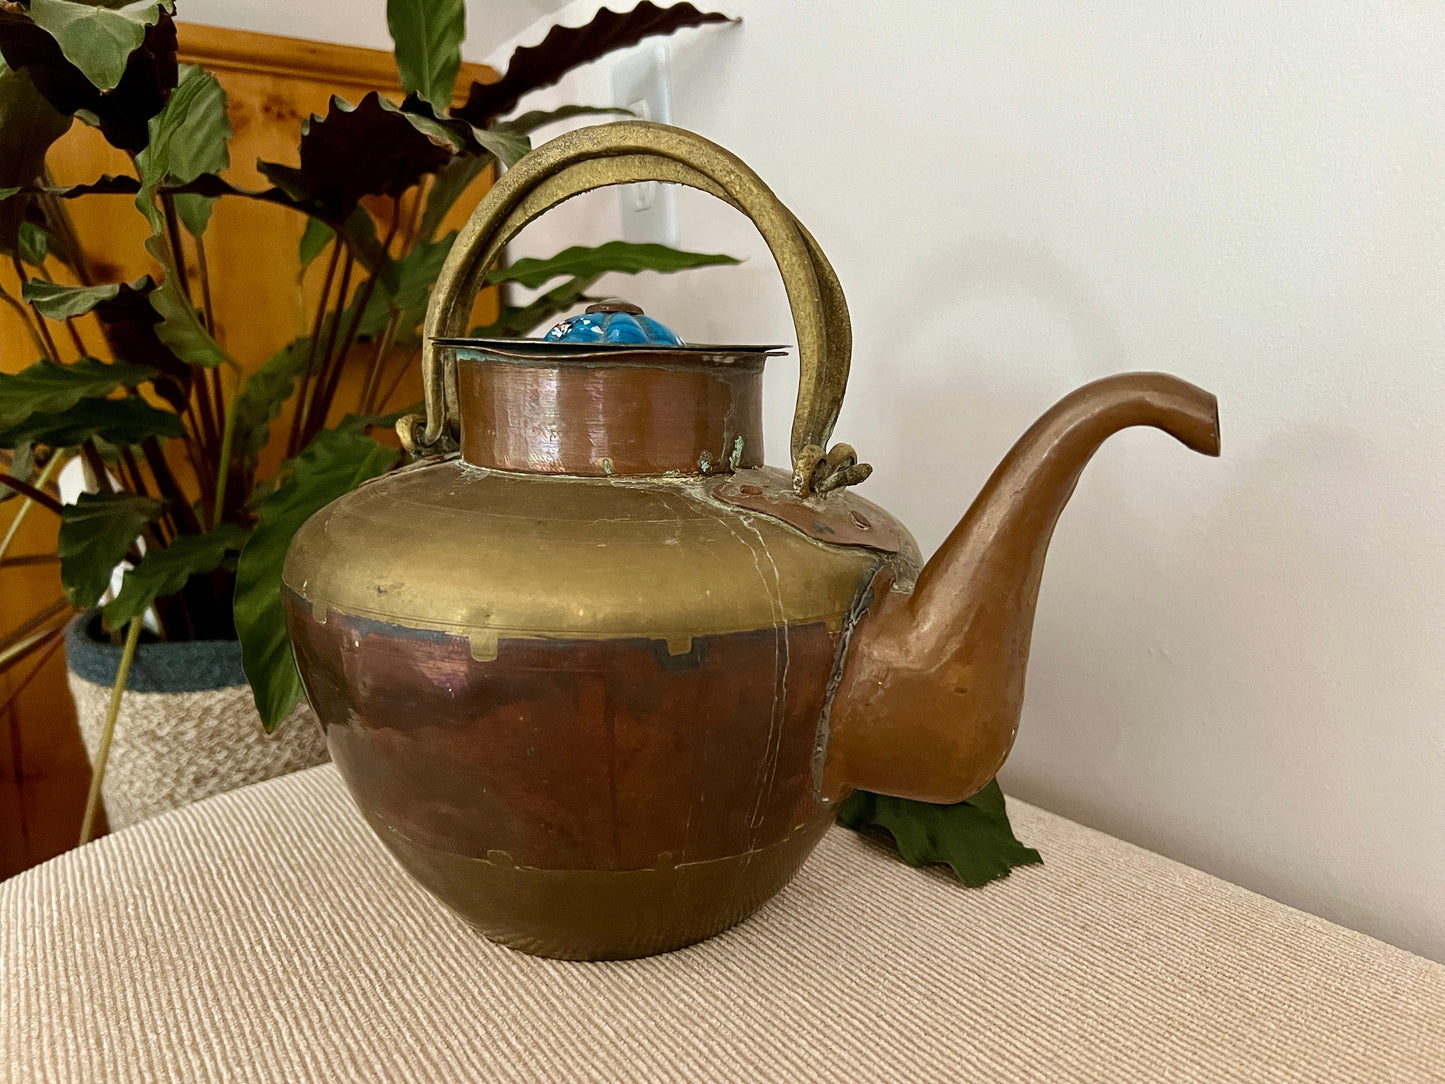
(273, 84)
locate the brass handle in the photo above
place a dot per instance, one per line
(625, 153)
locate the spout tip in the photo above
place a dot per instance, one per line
(1188, 412)
(1210, 444)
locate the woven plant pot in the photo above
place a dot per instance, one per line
(187, 727)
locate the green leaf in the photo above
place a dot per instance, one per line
(973, 837)
(428, 38)
(21, 466)
(516, 321)
(187, 141)
(28, 126)
(107, 184)
(95, 533)
(180, 328)
(188, 136)
(161, 573)
(194, 211)
(501, 141)
(33, 244)
(415, 274)
(117, 421)
(451, 181)
(264, 393)
(335, 462)
(58, 302)
(122, 113)
(98, 39)
(314, 241)
(622, 256)
(49, 388)
(530, 121)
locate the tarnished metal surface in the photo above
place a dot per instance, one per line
(933, 683)
(624, 153)
(843, 519)
(492, 554)
(578, 797)
(626, 413)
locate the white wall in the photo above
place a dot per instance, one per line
(1241, 662)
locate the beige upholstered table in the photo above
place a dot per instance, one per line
(265, 935)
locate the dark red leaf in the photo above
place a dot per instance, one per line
(372, 149)
(129, 325)
(565, 48)
(107, 184)
(150, 76)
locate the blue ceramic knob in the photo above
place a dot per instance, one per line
(615, 323)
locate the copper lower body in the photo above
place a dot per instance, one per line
(580, 799)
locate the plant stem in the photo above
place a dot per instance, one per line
(208, 431)
(203, 477)
(155, 534)
(69, 320)
(26, 638)
(91, 454)
(418, 203)
(58, 215)
(97, 777)
(170, 489)
(173, 236)
(206, 397)
(212, 386)
(75, 336)
(57, 637)
(294, 439)
(212, 377)
(25, 489)
(373, 377)
(205, 285)
(318, 371)
(29, 560)
(336, 363)
(396, 381)
(24, 278)
(40, 480)
(132, 467)
(26, 318)
(227, 438)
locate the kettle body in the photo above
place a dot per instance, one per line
(596, 674)
(582, 712)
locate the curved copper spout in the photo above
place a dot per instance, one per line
(929, 698)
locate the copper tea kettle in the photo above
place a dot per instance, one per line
(593, 672)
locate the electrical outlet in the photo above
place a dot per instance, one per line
(641, 82)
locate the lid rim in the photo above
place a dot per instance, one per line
(556, 346)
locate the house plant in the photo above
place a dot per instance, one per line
(168, 424)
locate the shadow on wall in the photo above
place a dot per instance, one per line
(935, 350)
(1263, 628)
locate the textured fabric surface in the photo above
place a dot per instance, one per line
(266, 935)
(171, 749)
